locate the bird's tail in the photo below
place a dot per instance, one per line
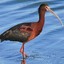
(0, 38)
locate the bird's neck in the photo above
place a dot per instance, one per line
(41, 18)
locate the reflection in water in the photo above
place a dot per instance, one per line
(23, 61)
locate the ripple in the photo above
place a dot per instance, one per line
(48, 48)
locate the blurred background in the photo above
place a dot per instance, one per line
(48, 47)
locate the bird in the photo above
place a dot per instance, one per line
(25, 32)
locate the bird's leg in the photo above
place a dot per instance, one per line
(22, 51)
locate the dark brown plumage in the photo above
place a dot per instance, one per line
(25, 32)
(20, 32)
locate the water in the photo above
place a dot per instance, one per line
(48, 47)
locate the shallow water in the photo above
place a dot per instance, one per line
(48, 47)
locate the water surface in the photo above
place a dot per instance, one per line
(48, 47)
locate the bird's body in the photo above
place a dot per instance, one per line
(25, 32)
(22, 32)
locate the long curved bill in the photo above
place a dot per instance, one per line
(48, 9)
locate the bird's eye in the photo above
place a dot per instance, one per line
(45, 6)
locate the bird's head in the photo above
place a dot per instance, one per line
(45, 7)
(42, 7)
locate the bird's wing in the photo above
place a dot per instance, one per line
(21, 26)
(18, 32)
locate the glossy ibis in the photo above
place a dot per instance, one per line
(25, 32)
